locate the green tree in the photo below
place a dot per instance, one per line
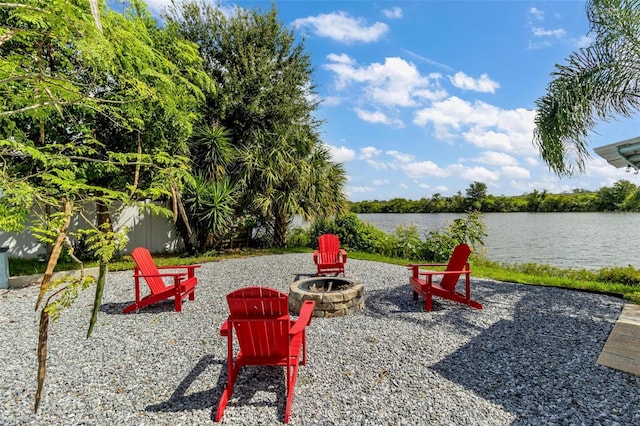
(73, 94)
(534, 199)
(265, 100)
(613, 198)
(600, 82)
(475, 196)
(287, 174)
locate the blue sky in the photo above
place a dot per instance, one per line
(425, 97)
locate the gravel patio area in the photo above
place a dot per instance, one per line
(529, 357)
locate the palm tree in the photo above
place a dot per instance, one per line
(289, 173)
(598, 83)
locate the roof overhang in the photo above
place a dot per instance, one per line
(622, 154)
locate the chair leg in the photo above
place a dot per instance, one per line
(222, 404)
(292, 372)
(178, 303)
(428, 302)
(228, 390)
(415, 295)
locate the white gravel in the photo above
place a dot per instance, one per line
(529, 357)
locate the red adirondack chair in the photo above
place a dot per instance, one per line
(184, 282)
(422, 281)
(329, 257)
(266, 336)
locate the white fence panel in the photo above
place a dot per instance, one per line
(153, 232)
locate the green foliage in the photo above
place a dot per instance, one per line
(627, 275)
(354, 234)
(90, 116)
(599, 82)
(404, 243)
(469, 230)
(263, 110)
(299, 237)
(210, 208)
(66, 292)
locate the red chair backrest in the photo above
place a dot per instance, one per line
(260, 318)
(457, 262)
(146, 265)
(328, 247)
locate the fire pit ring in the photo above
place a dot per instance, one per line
(334, 297)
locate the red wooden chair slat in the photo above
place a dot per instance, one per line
(183, 285)
(329, 257)
(266, 335)
(422, 281)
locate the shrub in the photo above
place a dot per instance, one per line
(469, 230)
(299, 237)
(354, 234)
(627, 275)
(404, 243)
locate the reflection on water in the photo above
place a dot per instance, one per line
(565, 240)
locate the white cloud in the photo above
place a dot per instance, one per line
(479, 174)
(380, 182)
(424, 168)
(428, 60)
(493, 158)
(536, 13)
(541, 32)
(482, 84)
(515, 172)
(341, 154)
(395, 82)
(401, 156)
(342, 27)
(369, 152)
(394, 13)
(342, 58)
(531, 161)
(359, 189)
(489, 139)
(583, 41)
(378, 165)
(371, 116)
(331, 101)
(481, 124)
(377, 117)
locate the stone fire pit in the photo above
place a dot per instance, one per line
(334, 297)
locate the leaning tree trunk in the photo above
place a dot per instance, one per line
(104, 224)
(280, 229)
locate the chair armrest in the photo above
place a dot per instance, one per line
(190, 268)
(304, 319)
(316, 253)
(224, 329)
(412, 265)
(425, 273)
(343, 253)
(168, 274)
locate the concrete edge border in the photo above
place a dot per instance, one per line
(28, 280)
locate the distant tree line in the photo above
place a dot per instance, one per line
(622, 196)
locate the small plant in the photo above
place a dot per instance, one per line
(628, 275)
(470, 230)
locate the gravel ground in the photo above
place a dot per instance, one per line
(529, 357)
